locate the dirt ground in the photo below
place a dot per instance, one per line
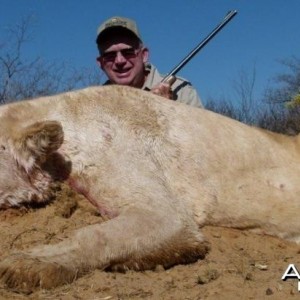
(240, 265)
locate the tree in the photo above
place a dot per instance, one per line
(278, 110)
(22, 78)
(284, 113)
(244, 107)
(287, 84)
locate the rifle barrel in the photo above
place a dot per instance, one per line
(226, 19)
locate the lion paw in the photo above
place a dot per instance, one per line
(25, 274)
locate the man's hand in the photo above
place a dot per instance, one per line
(163, 89)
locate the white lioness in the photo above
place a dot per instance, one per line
(157, 170)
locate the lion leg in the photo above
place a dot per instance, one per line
(136, 239)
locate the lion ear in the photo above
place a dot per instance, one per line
(32, 144)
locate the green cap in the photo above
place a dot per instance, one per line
(116, 22)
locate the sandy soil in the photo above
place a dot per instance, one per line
(240, 265)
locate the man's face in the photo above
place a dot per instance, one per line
(122, 59)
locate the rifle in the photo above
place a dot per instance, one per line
(170, 78)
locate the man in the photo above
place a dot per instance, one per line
(124, 59)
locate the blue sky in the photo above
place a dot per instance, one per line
(262, 33)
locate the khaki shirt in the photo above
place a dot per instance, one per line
(182, 90)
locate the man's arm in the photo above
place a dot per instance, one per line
(188, 95)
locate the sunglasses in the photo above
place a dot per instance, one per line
(127, 53)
